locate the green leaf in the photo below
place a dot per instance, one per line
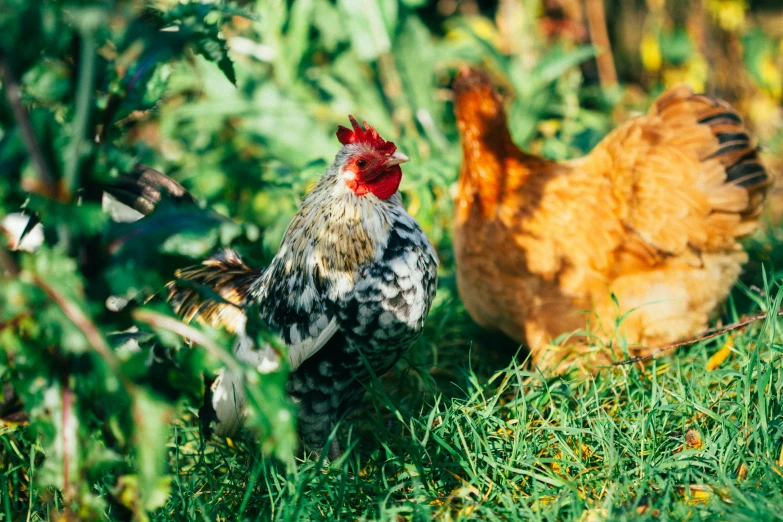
(151, 433)
(676, 46)
(556, 62)
(366, 24)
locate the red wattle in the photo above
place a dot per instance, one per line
(385, 185)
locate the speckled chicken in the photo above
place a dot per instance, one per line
(638, 239)
(350, 286)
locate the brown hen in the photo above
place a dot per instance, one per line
(652, 216)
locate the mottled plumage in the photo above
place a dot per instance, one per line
(353, 280)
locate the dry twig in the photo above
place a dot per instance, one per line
(710, 333)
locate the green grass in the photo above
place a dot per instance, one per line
(448, 438)
(521, 445)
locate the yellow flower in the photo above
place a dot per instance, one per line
(772, 78)
(764, 112)
(484, 28)
(481, 26)
(730, 14)
(549, 127)
(694, 73)
(651, 53)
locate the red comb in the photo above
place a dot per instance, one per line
(364, 135)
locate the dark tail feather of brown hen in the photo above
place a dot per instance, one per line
(736, 150)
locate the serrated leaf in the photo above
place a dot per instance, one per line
(227, 67)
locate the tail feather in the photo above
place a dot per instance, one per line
(693, 171)
(213, 292)
(216, 291)
(732, 145)
(736, 152)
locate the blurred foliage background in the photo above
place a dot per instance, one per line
(239, 101)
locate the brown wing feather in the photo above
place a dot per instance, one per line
(693, 176)
(230, 280)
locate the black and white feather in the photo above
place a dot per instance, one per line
(347, 292)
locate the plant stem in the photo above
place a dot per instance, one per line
(82, 322)
(596, 19)
(159, 320)
(13, 93)
(73, 154)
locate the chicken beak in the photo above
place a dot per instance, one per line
(395, 159)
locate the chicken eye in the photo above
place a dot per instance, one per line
(361, 163)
